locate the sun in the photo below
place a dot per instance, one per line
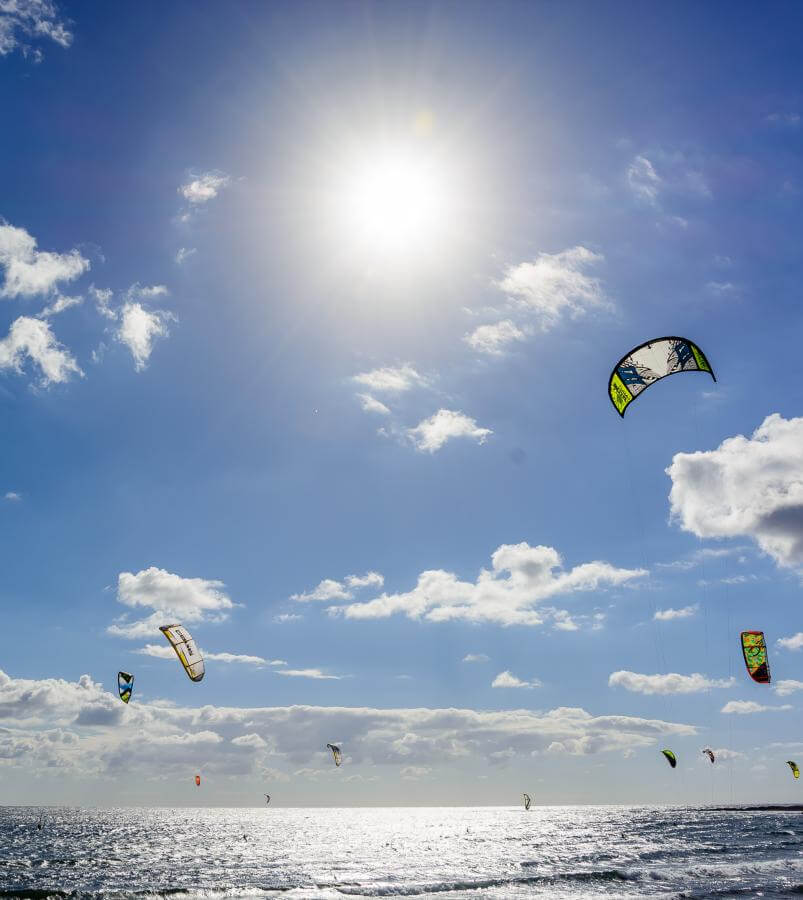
(393, 202)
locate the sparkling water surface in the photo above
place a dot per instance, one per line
(499, 852)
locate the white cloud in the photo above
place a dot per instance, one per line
(554, 285)
(139, 328)
(282, 618)
(643, 180)
(171, 597)
(165, 651)
(30, 19)
(13, 496)
(787, 686)
(445, 424)
(787, 119)
(414, 773)
(795, 642)
(671, 683)
(507, 679)
(184, 253)
(371, 404)
(30, 272)
(746, 707)
(476, 658)
(59, 305)
(667, 615)
(33, 339)
(102, 298)
(722, 288)
(329, 589)
(309, 673)
(391, 380)
(204, 187)
(494, 338)
(747, 486)
(520, 578)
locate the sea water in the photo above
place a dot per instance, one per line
(499, 852)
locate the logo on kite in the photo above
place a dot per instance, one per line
(670, 758)
(793, 766)
(125, 686)
(710, 754)
(754, 650)
(650, 362)
(197, 781)
(526, 801)
(186, 650)
(336, 753)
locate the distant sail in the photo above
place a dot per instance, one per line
(526, 801)
(125, 686)
(197, 781)
(710, 754)
(267, 799)
(186, 650)
(336, 753)
(670, 758)
(754, 650)
(793, 766)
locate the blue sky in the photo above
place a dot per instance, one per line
(308, 313)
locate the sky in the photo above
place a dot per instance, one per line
(307, 318)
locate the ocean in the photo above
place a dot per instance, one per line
(486, 852)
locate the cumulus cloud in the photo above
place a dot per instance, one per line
(204, 187)
(746, 707)
(59, 305)
(25, 20)
(172, 598)
(795, 642)
(555, 285)
(431, 434)
(32, 339)
(29, 272)
(746, 487)
(391, 379)
(667, 615)
(520, 578)
(507, 679)
(329, 589)
(495, 338)
(787, 686)
(12, 496)
(139, 328)
(371, 404)
(671, 683)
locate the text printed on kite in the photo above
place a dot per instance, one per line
(186, 649)
(125, 686)
(650, 362)
(754, 650)
(338, 756)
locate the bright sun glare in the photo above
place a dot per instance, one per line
(394, 203)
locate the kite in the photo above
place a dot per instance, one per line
(670, 758)
(125, 686)
(267, 799)
(336, 753)
(710, 755)
(526, 801)
(754, 650)
(650, 362)
(793, 766)
(197, 781)
(186, 650)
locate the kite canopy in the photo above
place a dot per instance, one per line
(125, 686)
(650, 362)
(197, 781)
(336, 753)
(754, 650)
(267, 799)
(186, 650)
(670, 758)
(710, 754)
(527, 801)
(793, 766)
